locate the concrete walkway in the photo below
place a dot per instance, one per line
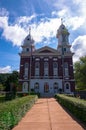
(47, 114)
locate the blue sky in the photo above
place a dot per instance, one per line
(44, 17)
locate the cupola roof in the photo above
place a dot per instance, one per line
(28, 39)
(62, 29)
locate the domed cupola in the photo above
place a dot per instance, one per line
(63, 40)
(28, 40)
(28, 44)
(62, 35)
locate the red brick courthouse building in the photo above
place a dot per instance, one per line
(47, 70)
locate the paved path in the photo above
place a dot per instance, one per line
(47, 114)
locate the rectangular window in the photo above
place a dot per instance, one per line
(36, 71)
(55, 69)
(66, 71)
(55, 72)
(26, 73)
(46, 72)
(45, 69)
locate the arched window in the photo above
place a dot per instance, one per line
(37, 69)
(26, 66)
(64, 50)
(27, 49)
(37, 65)
(55, 69)
(25, 87)
(67, 87)
(46, 69)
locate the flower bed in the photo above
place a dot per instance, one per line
(11, 112)
(76, 106)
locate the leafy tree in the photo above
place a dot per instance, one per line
(1, 87)
(11, 85)
(80, 73)
(3, 78)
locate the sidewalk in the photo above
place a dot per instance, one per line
(47, 114)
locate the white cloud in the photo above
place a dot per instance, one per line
(74, 13)
(54, 13)
(76, 22)
(25, 19)
(62, 12)
(45, 29)
(72, 21)
(3, 22)
(15, 34)
(3, 12)
(6, 69)
(79, 47)
(59, 4)
(78, 1)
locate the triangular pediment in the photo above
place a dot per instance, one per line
(46, 49)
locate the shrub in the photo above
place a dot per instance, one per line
(12, 111)
(76, 106)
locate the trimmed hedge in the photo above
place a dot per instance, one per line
(76, 106)
(11, 112)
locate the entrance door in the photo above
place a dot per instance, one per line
(46, 87)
